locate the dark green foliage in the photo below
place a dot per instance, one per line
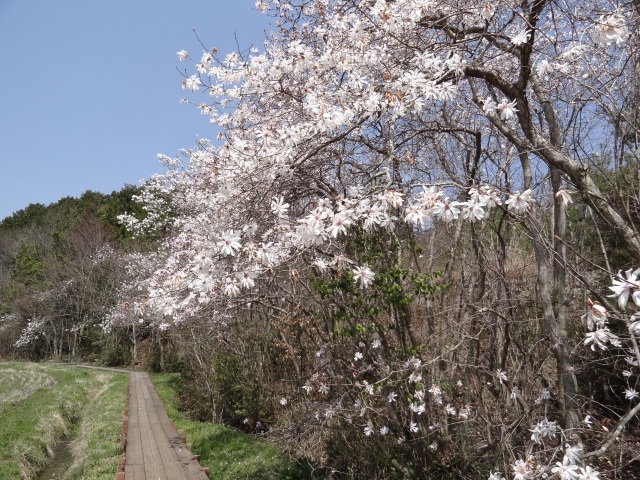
(116, 355)
(63, 214)
(229, 453)
(400, 285)
(119, 203)
(620, 184)
(31, 215)
(28, 268)
(230, 390)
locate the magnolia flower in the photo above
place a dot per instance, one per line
(413, 427)
(543, 429)
(279, 207)
(622, 288)
(488, 10)
(611, 29)
(392, 397)
(232, 287)
(495, 476)
(521, 470)
(572, 453)
(588, 473)
(507, 109)
(357, 356)
(465, 412)
(489, 106)
(566, 472)
(415, 215)
(472, 211)
(543, 68)
(183, 55)
(596, 316)
(630, 394)
(600, 338)
(368, 430)
(502, 375)
(283, 401)
(521, 38)
(229, 243)
(192, 83)
(368, 387)
(447, 210)
(384, 430)
(519, 202)
(565, 195)
(321, 264)
(364, 275)
(246, 278)
(339, 225)
(393, 197)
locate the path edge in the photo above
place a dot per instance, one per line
(205, 470)
(123, 438)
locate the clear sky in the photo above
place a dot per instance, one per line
(90, 91)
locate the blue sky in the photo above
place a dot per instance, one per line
(90, 94)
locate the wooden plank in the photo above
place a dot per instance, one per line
(134, 472)
(155, 450)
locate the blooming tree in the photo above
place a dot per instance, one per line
(376, 154)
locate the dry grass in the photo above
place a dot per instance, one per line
(52, 402)
(96, 446)
(18, 384)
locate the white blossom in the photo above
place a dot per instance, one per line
(519, 202)
(631, 394)
(611, 29)
(364, 276)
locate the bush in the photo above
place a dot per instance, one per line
(116, 355)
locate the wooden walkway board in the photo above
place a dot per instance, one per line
(154, 450)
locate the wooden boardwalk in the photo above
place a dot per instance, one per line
(154, 450)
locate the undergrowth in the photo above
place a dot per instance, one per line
(229, 453)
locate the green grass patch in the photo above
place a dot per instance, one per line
(33, 423)
(96, 446)
(40, 404)
(229, 454)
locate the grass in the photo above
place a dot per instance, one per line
(96, 447)
(40, 404)
(229, 454)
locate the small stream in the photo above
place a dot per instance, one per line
(60, 463)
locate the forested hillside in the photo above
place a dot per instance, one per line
(60, 266)
(413, 254)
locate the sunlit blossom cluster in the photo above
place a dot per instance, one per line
(322, 137)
